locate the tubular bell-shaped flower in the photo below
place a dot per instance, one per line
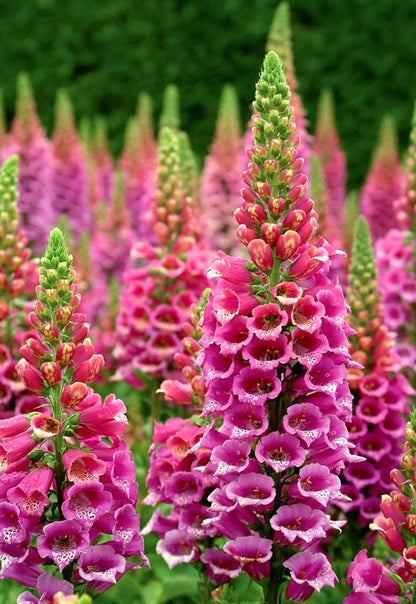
(272, 433)
(67, 486)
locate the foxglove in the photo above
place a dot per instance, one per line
(67, 474)
(273, 355)
(380, 393)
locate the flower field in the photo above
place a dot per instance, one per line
(207, 373)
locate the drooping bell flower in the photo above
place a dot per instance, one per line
(220, 180)
(28, 140)
(271, 356)
(70, 181)
(380, 393)
(382, 186)
(18, 277)
(67, 474)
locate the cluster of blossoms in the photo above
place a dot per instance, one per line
(221, 177)
(18, 278)
(157, 296)
(396, 263)
(372, 581)
(67, 485)
(252, 477)
(382, 186)
(380, 392)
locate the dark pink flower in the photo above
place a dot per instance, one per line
(101, 564)
(86, 502)
(220, 566)
(31, 494)
(176, 547)
(63, 542)
(306, 421)
(267, 321)
(267, 354)
(316, 481)
(184, 488)
(253, 553)
(280, 451)
(231, 456)
(253, 489)
(299, 521)
(255, 386)
(310, 568)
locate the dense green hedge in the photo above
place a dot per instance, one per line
(107, 51)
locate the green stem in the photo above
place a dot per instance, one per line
(55, 398)
(272, 594)
(275, 274)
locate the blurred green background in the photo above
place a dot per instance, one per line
(107, 51)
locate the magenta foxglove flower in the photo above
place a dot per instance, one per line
(271, 351)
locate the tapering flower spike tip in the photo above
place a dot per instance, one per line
(70, 182)
(382, 186)
(332, 158)
(28, 141)
(170, 114)
(221, 177)
(280, 42)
